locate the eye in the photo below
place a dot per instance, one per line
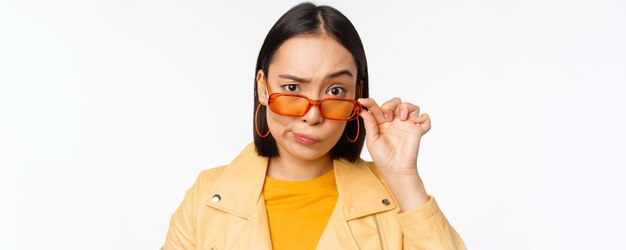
(290, 87)
(337, 91)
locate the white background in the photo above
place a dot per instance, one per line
(110, 109)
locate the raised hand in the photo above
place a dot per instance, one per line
(394, 131)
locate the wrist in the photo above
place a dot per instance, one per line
(408, 189)
(395, 172)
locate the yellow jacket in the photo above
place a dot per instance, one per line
(225, 209)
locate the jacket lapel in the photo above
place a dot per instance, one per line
(239, 186)
(240, 193)
(361, 192)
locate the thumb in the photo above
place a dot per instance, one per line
(371, 127)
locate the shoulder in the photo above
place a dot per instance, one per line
(209, 176)
(372, 167)
(361, 165)
(204, 182)
(368, 169)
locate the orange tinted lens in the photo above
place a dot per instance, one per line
(338, 109)
(289, 105)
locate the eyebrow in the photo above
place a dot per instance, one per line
(302, 80)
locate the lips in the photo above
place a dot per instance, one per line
(305, 139)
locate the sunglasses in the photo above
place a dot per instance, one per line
(330, 108)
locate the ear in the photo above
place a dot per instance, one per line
(261, 89)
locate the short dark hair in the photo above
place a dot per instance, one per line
(309, 19)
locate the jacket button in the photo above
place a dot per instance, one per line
(216, 198)
(386, 202)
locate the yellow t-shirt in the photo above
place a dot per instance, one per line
(297, 212)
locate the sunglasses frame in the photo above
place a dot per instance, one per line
(357, 109)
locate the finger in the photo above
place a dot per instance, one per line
(389, 107)
(373, 109)
(413, 116)
(371, 127)
(404, 109)
(420, 118)
(424, 122)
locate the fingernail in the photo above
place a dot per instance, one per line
(388, 117)
(403, 115)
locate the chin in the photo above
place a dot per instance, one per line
(306, 152)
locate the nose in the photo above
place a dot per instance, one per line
(313, 116)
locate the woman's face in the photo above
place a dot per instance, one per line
(307, 65)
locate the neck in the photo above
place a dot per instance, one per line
(292, 169)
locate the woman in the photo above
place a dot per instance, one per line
(302, 185)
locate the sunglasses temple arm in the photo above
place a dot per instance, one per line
(267, 94)
(360, 91)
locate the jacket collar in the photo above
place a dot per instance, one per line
(240, 186)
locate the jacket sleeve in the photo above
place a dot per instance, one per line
(427, 228)
(182, 229)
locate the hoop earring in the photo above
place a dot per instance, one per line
(256, 114)
(358, 128)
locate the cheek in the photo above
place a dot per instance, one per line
(336, 128)
(277, 123)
